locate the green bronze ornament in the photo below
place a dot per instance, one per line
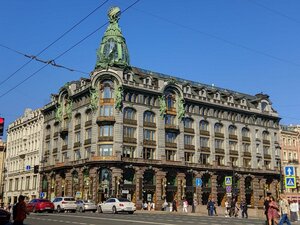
(162, 106)
(119, 98)
(68, 109)
(94, 96)
(58, 113)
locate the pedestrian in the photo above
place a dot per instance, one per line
(244, 209)
(236, 209)
(164, 206)
(266, 208)
(185, 205)
(232, 207)
(227, 208)
(174, 206)
(210, 207)
(273, 211)
(145, 206)
(20, 211)
(149, 206)
(285, 210)
(152, 206)
(215, 208)
(294, 211)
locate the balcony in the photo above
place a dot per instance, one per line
(130, 121)
(77, 144)
(233, 152)
(77, 126)
(293, 161)
(219, 135)
(47, 136)
(266, 142)
(149, 142)
(107, 101)
(54, 150)
(64, 147)
(219, 151)
(149, 124)
(189, 130)
(64, 131)
(105, 158)
(267, 156)
(189, 147)
(233, 136)
(87, 141)
(105, 120)
(204, 132)
(171, 111)
(55, 134)
(172, 127)
(205, 149)
(246, 139)
(46, 152)
(171, 145)
(88, 123)
(247, 154)
(105, 138)
(129, 140)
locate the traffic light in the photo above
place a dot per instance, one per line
(1, 126)
(36, 169)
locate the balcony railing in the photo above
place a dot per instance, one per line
(266, 142)
(54, 150)
(247, 154)
(64, 131)
(233, 136)
(293, 161)
(105, 158)
(88, 123)
(105, 119)
(106, 101)
(204, 149)
(55, 134)
(129, 140)
(130, 121)
(149, 124)
(77, 144)
(246, 139)
(149, 142)
(87, 141)
(47, 136)
(172, 127)
(189, 147)
(219, 135)
(77, 126)
(171, 145)
(106, 138)
(233, 152)
(267, 156)
(220, 151)
(204, 132)
(189, 130)
(64, 147)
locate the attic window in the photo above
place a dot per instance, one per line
(217, 96)
(128, 77)
(203, 93)
(264, 106)
(243, 102)
(230, 99)
(147, 81)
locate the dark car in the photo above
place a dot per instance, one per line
(40, 205)
(4, 216)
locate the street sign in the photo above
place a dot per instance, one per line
(228, 181)
(27, 168)
(42, 194)
(125, 191)
(228, 189)
(198, 182)
(289, 171)
(229, 194)
(290, 182)
(78, 194)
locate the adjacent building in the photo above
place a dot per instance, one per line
(24, 142)
(147, 136)
(2, 160)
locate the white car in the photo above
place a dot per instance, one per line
(64, 204)
(115, 205)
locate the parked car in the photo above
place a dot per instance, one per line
(115, 205)
(64, 204)
(4, 217)
(40, 205)
(86, 205)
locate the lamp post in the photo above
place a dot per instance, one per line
(233, 181)
(193, 205)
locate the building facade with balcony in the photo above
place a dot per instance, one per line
(24, 145)
(148, 136)
(290, 147)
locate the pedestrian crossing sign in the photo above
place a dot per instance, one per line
(290, 182)
(228, 181)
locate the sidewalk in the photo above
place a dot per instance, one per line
(202, 211)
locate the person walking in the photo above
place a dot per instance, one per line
(185, 205)
(210, 207)
(273, 210)
(227, 208)
(174, 206)
(244, 209)
(236, 209)
(285, 210)
(294, 211)
(266, 208)
(20, 211)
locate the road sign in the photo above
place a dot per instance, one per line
(229, 194)
(228, 181)
(289, 171)
(27, 168)
(198, 182)
(290, 182)
(78, 194)
(228, 189)
(42, 194)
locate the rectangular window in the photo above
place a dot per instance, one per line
(220, 160)
(27, 182)
(204, 159)
(170, 155)
(232, 145)
(219, 143)
(48, 145)
(247, 163)
(77, 155)
(149, 135)
(77, 136)
(88, 152)
(204, 142)
(105, 150)
(16, 184)
(55, 141)
(188, 157)
(65, 157)
(148, 153)
(266, 150)
(170, 137)
(257, 148)
(170, 119)
(88, 133)
(34, 182)
(128, 151)
(10, 185)
(188, 139)
(246, 147)
(65, 140)
(106, 110)
(233, 161)
(106, 130)
(129, 132)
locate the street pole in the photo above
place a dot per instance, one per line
(281, 178)
(233, 182)
(193, 205)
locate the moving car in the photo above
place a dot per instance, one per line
(40, 205)
(86, 205)
(4, 216)
(64, 204)
(115, 205)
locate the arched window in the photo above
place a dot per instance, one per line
(204, 125)
(107, 89)
(188, 123)
(245, 132)
(232, 129)
(265, 135)
(88, 115)
(218, 128)
(170, 100)
(129, 113)
(78, 119)
(149, 117)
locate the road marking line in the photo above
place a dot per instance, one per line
(111, 219)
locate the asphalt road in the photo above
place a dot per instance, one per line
(137, 218)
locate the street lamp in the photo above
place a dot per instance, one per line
(193, 205)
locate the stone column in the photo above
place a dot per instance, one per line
(242, 195)
(117, 176)
(93, 183)
(256, 191)
(160, 188)
(68, 184)
(139, 175)
(273, 187)
(58, 187)
(181, 182)
(214, 190)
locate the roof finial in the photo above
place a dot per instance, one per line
(114, 14)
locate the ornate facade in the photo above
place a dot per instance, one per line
(24, 148)
(148, 136)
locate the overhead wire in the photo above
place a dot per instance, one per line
(63, 53)
(52, 43)
(50, 62)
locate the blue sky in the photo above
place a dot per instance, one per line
(250, 46)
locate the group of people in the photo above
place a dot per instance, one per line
(233, 209)
(279, 212)
(150, 206)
